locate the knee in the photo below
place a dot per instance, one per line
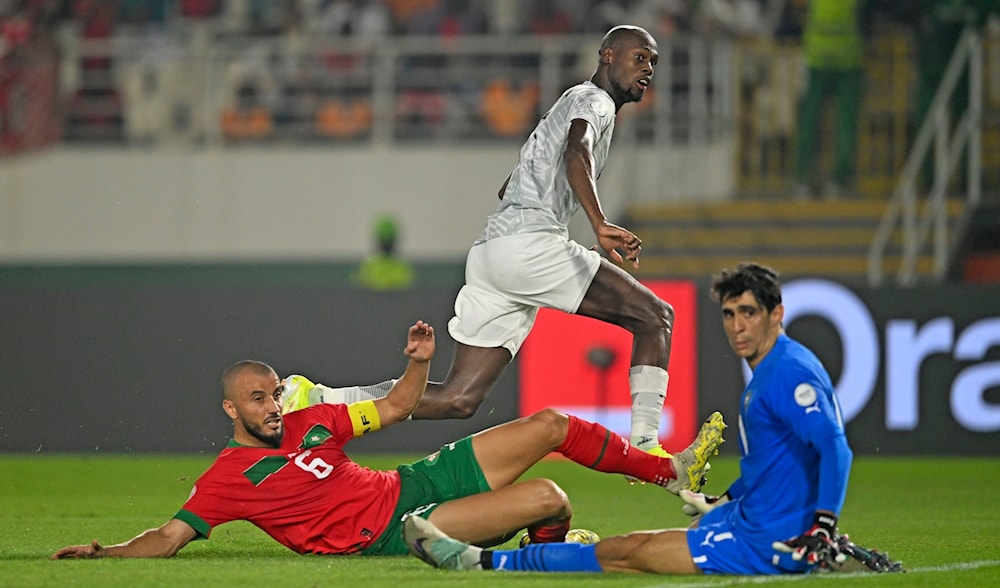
(664, 315)
(550, 500)
(659, 316)
(551, 426)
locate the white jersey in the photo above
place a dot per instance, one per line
(538, 196)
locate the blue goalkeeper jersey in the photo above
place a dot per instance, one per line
(795, 456)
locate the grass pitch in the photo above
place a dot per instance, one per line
(939, 516)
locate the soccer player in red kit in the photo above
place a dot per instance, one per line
(288, 474)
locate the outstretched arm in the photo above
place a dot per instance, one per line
(583, 180)
(164, 541)
(407, 392)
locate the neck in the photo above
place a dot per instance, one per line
(766, 351)
(600, 79)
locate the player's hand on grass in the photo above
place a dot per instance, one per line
(420, 342)
(95, 549)
(818, 545)
(697, 504)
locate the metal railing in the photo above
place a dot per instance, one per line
(916, 217)
(421, 90)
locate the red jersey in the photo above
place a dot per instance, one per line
(307, 494)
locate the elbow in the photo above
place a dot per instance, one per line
(464, 408)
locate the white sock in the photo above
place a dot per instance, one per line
(349, 394)
(649, 390)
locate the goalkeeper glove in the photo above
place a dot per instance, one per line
(697, 504)
(817, 546)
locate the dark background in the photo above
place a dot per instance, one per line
(128, 359)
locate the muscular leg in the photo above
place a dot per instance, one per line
(505, 452)
(474, 371)
(510, 509)
(618, 298)
(658, 552)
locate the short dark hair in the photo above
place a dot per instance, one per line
(258, 367)
(762, 281)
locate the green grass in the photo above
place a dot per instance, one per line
(940, 516)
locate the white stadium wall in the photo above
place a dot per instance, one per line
(106, 205)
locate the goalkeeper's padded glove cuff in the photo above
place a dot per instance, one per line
(824, 523)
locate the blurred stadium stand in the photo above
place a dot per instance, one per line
(146, 74)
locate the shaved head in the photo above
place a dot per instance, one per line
(625, 65)
(234, 371)
(622, 34)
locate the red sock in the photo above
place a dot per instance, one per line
(593, 446)
(549, 533)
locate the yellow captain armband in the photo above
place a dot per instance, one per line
(364, 417)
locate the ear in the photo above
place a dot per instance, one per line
(230, 408)
(778, 315)
(606, 55)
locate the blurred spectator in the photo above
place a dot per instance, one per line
(461, 17)
(246, 118)
(446, 18)
(94, 112)
(271, 17)
(16, 25)
(363, 19)
(659, 17)
(28, 62)
(505, 18)
(198, 9)
(833, 46)
(549, 17)
(142, 13)
(327, 17)
(385, 270)
(509, 111)
(739, 18)
(97, 22)
(791, 21)
(371, 20)
(405, 11)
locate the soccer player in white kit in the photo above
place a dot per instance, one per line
(524, 259)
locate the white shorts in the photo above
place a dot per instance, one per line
(508, 279)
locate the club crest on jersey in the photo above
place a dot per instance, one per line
(805, 395)
(599, 108)
(316, 435)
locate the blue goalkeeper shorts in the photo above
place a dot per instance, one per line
(719, 547)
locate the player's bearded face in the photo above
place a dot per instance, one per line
(270, 431)
(632, 74)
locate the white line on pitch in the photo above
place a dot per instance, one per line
(741, 580)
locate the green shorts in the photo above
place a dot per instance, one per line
(449, 473)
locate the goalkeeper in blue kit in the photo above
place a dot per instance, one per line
(778, 517)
